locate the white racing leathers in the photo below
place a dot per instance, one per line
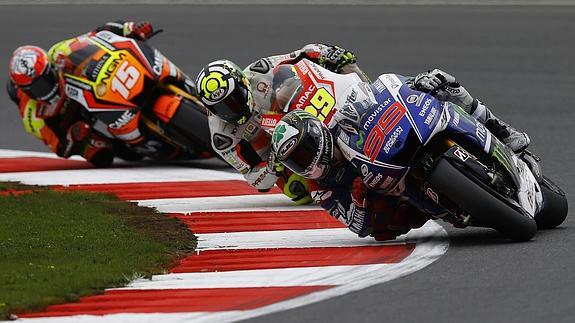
(247, 147)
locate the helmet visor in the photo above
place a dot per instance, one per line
(233, 108)
(44, 87)
(303, 156)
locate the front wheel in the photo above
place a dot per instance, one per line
(481, 202)
(555, 207)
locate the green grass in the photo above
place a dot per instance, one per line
(56, 247)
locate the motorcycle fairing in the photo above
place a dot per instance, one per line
(429, 118)
(152, 58)
(377, 175)
(404, 120)
(391, 131)
(469, 129)
(322, 90)
(118, 72)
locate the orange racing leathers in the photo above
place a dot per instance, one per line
(59, 122)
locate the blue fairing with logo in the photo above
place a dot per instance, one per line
(391, 131)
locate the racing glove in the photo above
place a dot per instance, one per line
(335, 58)
(261, 177)
(296, 188)
(293, 185)
(434, 80)
(140, 31)
(359, 193)
(444, 86)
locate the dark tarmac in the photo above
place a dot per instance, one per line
(519, 60)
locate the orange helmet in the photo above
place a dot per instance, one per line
(32, 72)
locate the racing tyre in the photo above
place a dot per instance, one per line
(191, 121)
(103, 158)
(555, 207)
(126, 154)
(482, 203)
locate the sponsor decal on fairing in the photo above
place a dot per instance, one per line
(461, 154)
(425, 107)
(392, 139)
(158, 63)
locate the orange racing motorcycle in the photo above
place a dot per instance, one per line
(135, 97)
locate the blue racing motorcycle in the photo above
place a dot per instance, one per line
(430, 152)
(448, 164)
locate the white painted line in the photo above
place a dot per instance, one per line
(9, 153)
(242, 203)
(305, 276)
(285, 277)
(282, 239)
(431, 244)
(119, 175)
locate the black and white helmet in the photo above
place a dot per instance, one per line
(225, 90)
(303, 144)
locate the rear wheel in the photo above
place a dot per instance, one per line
(481, 202)
(555, 207)
(191, 122)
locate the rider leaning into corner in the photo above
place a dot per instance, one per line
(241, 101)
(338, 189)
(36, 87)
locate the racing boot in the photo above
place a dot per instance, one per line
(513, 138)
(510, 136)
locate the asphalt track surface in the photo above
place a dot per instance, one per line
(517, 59)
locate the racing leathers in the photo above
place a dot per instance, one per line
(247, 147)
(60, 123)
(446, 88)
(72, 56)
(346, 193)
(343, 194)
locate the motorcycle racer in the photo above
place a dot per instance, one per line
(306, 146)
(37, 87)
(241, 102)
(444, 86)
